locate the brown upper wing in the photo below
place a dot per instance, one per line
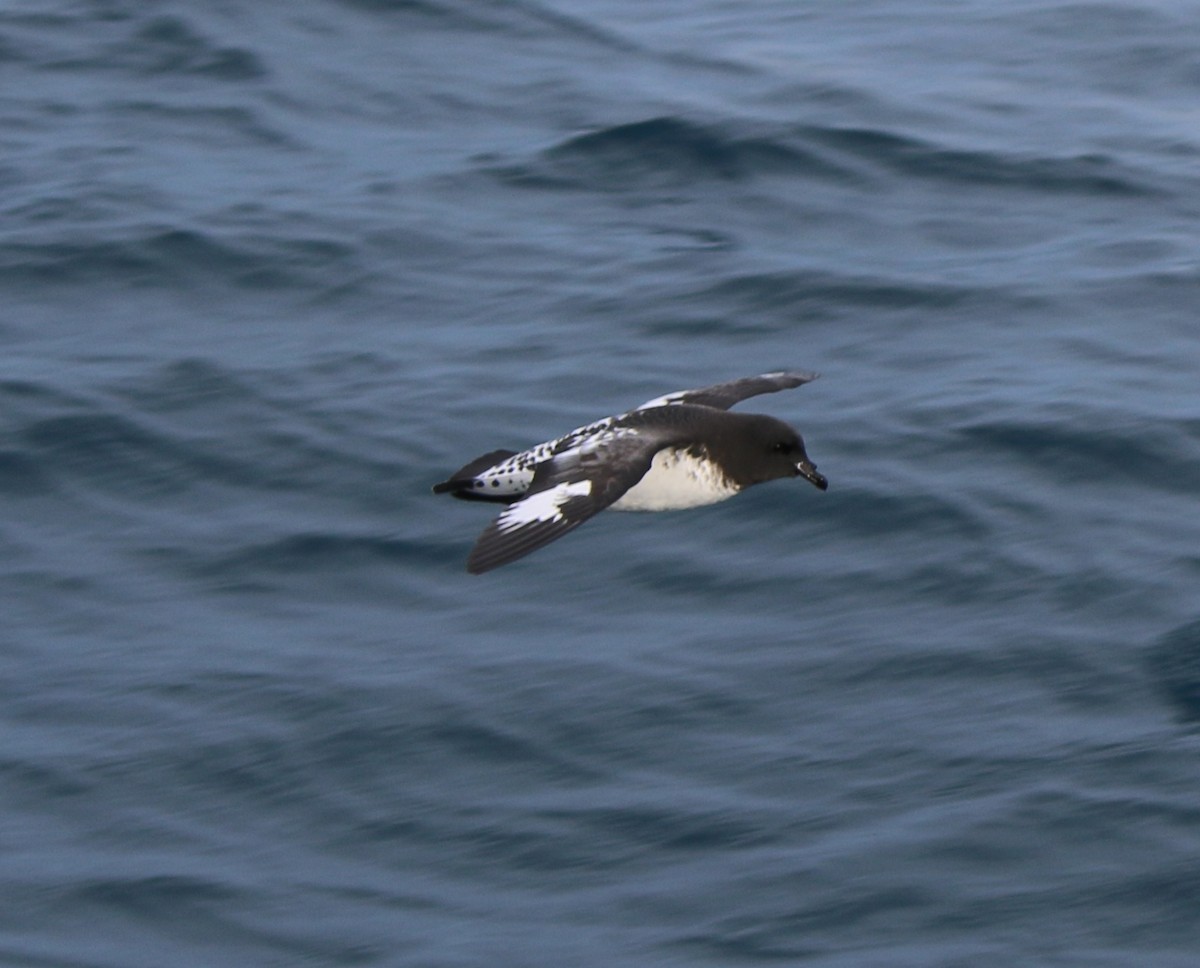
(722, 396)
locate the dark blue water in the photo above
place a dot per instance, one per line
(271, 270)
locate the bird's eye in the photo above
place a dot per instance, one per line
(782, 447)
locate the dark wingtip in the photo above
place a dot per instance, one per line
(482, 560)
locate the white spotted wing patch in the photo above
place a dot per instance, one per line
(506, 480)
(514, 475)
(573, 485)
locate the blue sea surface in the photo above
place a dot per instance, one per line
(271, 270)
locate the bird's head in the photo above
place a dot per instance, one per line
(773, 450)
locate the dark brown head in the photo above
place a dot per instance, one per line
(766, 449)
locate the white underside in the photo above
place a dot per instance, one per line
(676, 480)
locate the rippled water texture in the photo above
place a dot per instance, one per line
(271, 270)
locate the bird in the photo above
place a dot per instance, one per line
(679, 450)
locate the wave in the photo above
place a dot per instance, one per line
(155, 256)
(1090, 174)
(214, 127)
(749, 303)
(1173, 663)
(158, 45)
(187, 425)
(155, 45)
(113, 452)
(310, 553)
(766, 290)
(1085, 449)
(516, 18)
(658, 152)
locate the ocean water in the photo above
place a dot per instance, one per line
(271, 270)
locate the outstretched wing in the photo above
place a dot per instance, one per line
(567, 489)
(725, 395)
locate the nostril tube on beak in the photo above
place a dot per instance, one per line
(808, 471)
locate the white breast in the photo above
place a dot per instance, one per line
(676, 480)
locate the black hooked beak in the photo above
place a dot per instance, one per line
(808, 470)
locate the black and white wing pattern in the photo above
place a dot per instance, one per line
(567, 489)
(722, 396)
